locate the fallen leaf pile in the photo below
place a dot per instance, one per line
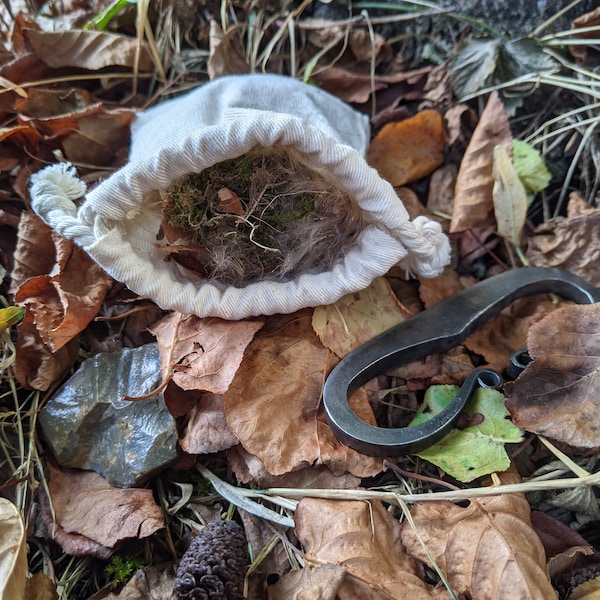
(244, 398)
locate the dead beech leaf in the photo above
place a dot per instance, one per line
(63, 304)
(87, 49)
(356, 318)
(408, 150)
(558, 394)
(40, 587)
(36, 366)
(310, 583)
(473, 202)
(206, 430)
(88, 509)
(487, 550)
(226, 56)
(364, 538)
(589, 590)
(249, 469)
(509, 197)
(202, 353)
(565, 548)
(273, 402)
(358, 87)
(569, 243)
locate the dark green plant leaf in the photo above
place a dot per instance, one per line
(483, 62)
(474, 64)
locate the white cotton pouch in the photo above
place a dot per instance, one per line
(224, 119)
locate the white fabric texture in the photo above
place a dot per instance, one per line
(224, 119)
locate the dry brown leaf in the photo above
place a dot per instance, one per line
(156, 582)
(40, 587)
(569, 243)
(558, 394)
(310, 583)
(226, 54)
(206, 430)
(93, 516)
(409, 150)
(64, 303)
(585, 54)
(358, 87)
(589, 590)
(202, 353)
(487, 550)
(565, 548)
(473, 203)
(36, 366)
(88, 49)
(249, 469)
(364, 538)
(13, 552)
(273, 403)
(356, 318)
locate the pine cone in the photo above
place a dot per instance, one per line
(214, 565)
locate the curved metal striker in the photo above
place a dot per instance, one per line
(433, 331)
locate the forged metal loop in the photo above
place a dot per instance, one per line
(433, 331)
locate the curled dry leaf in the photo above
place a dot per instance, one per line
(473, 202)
(487, 550)
(88, 132)
(13, 552)
(364, 538)
(569, 243)
(36, 366)
(64, 303)
(558, 394)
(273, 403)
(408, 150)
(249, 469)
(202, 353)
(92, 517)
(88, 49)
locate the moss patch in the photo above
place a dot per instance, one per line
(264, 214)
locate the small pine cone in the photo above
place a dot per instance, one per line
(214, 565)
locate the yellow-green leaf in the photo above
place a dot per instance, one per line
(510, 199)
(530, 168)
(478, 449)
(10, 316)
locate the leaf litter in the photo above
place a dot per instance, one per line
(246, 395)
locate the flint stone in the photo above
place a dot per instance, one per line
(89, 426)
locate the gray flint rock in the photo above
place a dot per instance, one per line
(89, 426)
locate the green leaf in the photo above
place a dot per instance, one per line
(476, 450)
(530, 168)
(10, 316)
